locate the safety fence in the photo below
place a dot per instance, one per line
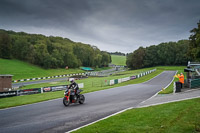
(116, 81)
(107, 82)
(101, 83)
(49, 77)
(36, 90)
(94, 73)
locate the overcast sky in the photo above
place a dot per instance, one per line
(111, 25)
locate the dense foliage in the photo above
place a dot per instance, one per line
(50, 52)
(194, 47)
(170, 53)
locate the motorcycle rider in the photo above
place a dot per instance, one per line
(74, 86)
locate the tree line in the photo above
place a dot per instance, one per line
(169, 53)
(117, 53)
(50, 52)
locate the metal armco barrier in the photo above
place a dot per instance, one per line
(8, 94)
(133, 77)
(194, 83)
(58, 88)
(117, 81)
(65, 75)
(35, 90)
(28, 91)
(46, 89)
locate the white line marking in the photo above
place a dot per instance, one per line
(129, 109)
(119, 111)
(99, 120)
(160, 90)
(168, 102)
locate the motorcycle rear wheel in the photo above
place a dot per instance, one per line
(81, 99)
(66, 102)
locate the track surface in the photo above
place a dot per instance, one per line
(100, 73)
(52, 116)
(14, 85)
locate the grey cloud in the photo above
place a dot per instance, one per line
(112, 25)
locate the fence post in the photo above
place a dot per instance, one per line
(41, 89)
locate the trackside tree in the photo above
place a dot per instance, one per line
(50, 52)
(194, 46)
(169, 53)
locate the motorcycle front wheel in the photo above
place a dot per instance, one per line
(81, 99)
(66, 102)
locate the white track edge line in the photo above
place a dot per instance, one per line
(178, 100)
(129, 109)
(57, 98)
(118, 111)
(99, 120)
(159, 91)
(61, 98)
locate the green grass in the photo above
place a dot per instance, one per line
(99, 82)
(90, 84)
(118, 60)
(178, 117)
(29, 99)
(23, 70)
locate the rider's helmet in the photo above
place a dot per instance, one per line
(71, 80)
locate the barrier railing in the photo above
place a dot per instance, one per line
(63, 87)
(36, 90)
(117, 81)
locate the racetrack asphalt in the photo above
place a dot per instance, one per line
(186, 94)
(16, 85)
(53, 116)
(100, 73)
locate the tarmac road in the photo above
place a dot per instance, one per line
(52, 116)
(14, 85)
(99, 73)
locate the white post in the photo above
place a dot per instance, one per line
(41, 89)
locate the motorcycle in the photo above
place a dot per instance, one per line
(71, 97)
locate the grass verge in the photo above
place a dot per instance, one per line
(28, 99)
(99, 82)
(177, 117)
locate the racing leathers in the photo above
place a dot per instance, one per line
(74, 86)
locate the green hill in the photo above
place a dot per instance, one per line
(118, 60)
(22, 70)
(49, 51)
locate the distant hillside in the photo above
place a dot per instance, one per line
(118, 60)
(23, 70)
(50, 52)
